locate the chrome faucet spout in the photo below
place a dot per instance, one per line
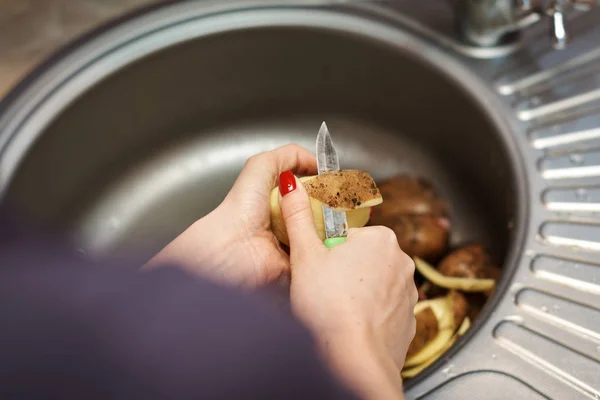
(487, 23)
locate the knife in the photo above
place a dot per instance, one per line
(336, 223)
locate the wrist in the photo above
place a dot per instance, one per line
(363, 364)
(200, 250)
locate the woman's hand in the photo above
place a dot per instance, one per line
(234, 244)
(357, 298)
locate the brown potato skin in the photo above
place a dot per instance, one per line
(471, 261)
(427, 329)
(414, 211)
(405, 194)
(420, 235)
(459, 305)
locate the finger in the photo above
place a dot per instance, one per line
(270, 164)
(408, 271)
(412, 292)
(297, 215)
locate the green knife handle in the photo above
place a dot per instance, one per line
(332, 242)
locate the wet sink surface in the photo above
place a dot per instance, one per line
(158, 143)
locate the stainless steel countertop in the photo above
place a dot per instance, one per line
(31, 30)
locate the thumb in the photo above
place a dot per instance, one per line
(297, 214)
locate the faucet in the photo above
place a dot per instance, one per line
(487, 23)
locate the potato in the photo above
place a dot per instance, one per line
(459, 306)
(471, 261)
(450, 312)
(405, 194)
(427, 329)
(419, 235)
(442, 309)
(413, 371)
(352, 191)
(450, 282)
(415, 212)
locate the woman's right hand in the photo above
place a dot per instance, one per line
(357, 298)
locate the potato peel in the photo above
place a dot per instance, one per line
(464, 284)
(427, 329)
(334, 190)
(442, 308)
(431, 348)
(413, 371)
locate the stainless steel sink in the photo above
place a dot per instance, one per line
(127, 137)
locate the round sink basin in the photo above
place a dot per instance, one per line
(129, 136)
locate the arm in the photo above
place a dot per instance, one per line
(357, 298)
(367, 369)
(234, 244)
(84, 331)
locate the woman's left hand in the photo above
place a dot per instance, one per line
(234, 244)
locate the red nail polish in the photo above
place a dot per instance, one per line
(371, 212)
(287, 182)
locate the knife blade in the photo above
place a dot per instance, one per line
(336, 223)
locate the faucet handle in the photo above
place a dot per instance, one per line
(558, 31)
(557, 10)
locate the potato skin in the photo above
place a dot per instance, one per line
(422, 236)
(405, 194)
(357, 217)
(427, 329)
(459, 305)
(414, 211)
(471, 261)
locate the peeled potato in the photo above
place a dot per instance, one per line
(464, 284)
(352, 191)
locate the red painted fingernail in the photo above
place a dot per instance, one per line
(371, 212)
(287, 183)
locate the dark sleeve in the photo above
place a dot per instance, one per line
(72, 330)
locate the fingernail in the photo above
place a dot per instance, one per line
(371, 212)
(287, 183)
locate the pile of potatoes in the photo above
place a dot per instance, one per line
(456, 283)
